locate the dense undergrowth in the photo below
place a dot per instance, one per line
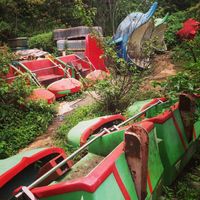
(20, 119)
(20, 126)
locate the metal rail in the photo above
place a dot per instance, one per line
(43, 177)
(31, 74)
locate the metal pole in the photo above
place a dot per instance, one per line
(140, 113)
(44, 176)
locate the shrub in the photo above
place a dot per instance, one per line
(84, 13)
(44, 41)
(174, 24)
(20, 121)
(20, 126)
(116, 92)
(17, 91)
(187, 51)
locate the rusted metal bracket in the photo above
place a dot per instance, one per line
(136, 151)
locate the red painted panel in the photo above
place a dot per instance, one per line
(88, 183)
(94, 52)
(76, 61)
(147, 125)
(149, 183)
(63, 85)
(26, 161)
(103, 120)
(42, 67)
(42, 94)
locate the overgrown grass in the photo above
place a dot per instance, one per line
(20, 125)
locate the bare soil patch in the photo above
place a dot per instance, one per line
(162, 68)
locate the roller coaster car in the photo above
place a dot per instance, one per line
(127, 163)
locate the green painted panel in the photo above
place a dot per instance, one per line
(148, 197)
(171, 149)
(160, 108)
(109, 190)
(157, 191)
(80, 195)
(155, 166)
(197, 128)
(136, 107)
(8, 163)
(75, 133)
(104, 145)
(180, 124)
(126, 176)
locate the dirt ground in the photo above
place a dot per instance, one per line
(162, 68)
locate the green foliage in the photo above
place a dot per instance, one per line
(20, 121)
(30, 17)
(174, 24)
(5, 59)
(187, 54)
(4, 29)
(20, 125)
(117, 90)
(16, 91)
(42, 41)
(84, 13)
(176, 20)
(174, 85)
(187, 51)
(111, 13)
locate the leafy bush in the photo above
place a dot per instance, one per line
(44, 41)
(177, 84)
(84, 13)
(187, 51)
(5, 28)
(16, 91)
(20, 126)
(20, 121)
(186, 186)
(174, 24)
(117, 90)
